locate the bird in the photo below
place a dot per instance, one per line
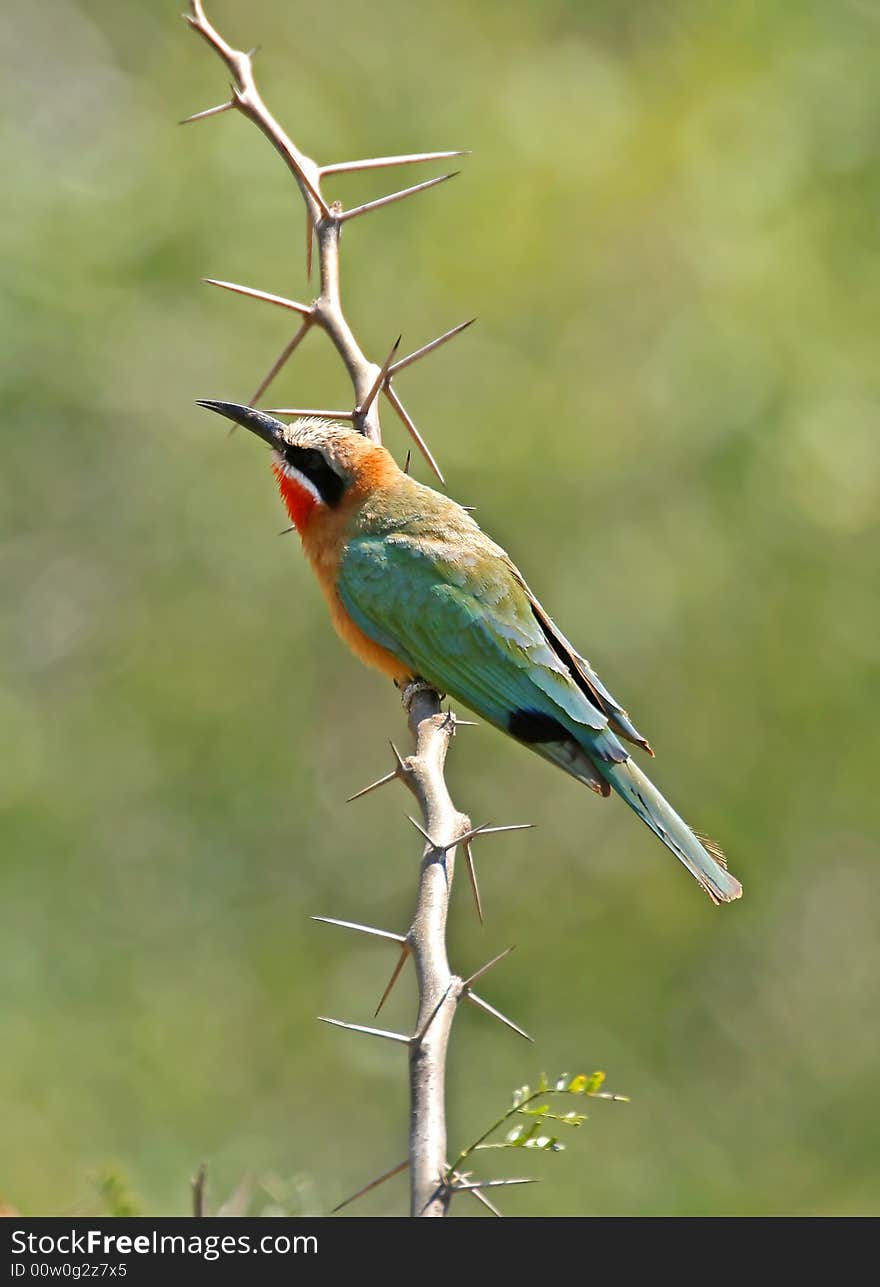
(418, 591)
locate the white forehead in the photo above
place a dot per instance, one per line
(314, 432)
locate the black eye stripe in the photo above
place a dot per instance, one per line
(312, 465)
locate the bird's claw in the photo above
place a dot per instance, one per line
(413, 688)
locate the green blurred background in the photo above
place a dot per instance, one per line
(668, 413)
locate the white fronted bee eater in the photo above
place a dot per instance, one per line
(418, 591)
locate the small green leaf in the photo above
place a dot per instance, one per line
(521, 1136)
(568, 1119)
(526, 1104)
(545, 1143)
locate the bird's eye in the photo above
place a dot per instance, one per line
(312, 464)
(304, 458)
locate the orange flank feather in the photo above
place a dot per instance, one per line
(323, 530)
(371, 653)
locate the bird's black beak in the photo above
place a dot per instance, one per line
(265, 427)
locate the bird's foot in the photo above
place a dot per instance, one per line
(413, 688)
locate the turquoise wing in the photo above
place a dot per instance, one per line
(460, 617)
(458, 613)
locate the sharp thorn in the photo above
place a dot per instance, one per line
(395, 975)
(279, 362)
(422, 832)
(465, 723)
(285, 530)
(367, 1032)
(470, 1186)
(311, 188)
(481, 1197)
(404, 362)
(384, 162)
(469, 509)
(374, 1184)
(484, 969)
(401, 762)
(380, 379)
(209, 111)
(492, 831)
(305, 309)
(362, 929)
(374, 786)
(460, 840)
(496, 1014)
(472, 877)
(310, 411)
(407, 419)
(420, 1036)
(355, 211)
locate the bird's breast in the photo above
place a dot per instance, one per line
(324, 538)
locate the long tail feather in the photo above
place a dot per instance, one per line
(702, 857)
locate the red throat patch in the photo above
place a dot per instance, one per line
(298, 500)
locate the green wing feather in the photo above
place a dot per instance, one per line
(429, 585)
(458, 614)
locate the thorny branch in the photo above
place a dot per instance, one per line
(423, 772)
(325, 222)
